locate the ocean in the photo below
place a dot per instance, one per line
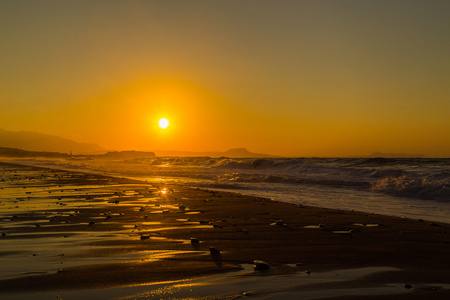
(411, 188)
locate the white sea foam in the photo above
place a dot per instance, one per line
(416, 188)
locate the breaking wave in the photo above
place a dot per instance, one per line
(427, 179)
(415, 188)
(434, 187)
(411, 178)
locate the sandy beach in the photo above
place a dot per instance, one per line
(70, 235)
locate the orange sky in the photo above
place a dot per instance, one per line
(293, 78)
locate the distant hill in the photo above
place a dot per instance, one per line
(45, 143)
(127, 154)
(13, 152)
(242, 152)
(232, 153)
(34, 141)
(393, 155)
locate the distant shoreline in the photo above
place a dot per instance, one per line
(130, 154)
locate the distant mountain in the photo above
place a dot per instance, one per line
(242, 152)
(232, 153)
(394, 155)
(34, 141)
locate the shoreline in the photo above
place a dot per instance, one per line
(318, 195)
(243, 228)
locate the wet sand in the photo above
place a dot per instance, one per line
(65, 232)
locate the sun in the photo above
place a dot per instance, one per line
(163, 123)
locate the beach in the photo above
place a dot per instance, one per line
(71, 234)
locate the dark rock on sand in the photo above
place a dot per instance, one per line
(214, 251)
(280, 223)
(260, 265)
(195, 243)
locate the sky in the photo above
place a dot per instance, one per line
(292, 78)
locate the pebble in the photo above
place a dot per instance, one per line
(280, 223)
(407, 286)
(260, 265)
(213, 251)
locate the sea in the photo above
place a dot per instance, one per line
(417, 188)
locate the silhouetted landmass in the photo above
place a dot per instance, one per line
(44, 144)
(232, 153)
(127, 154)
(13, 152)
(34, 141)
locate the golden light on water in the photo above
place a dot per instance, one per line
(163, 123)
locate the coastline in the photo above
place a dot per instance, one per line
(149, 228)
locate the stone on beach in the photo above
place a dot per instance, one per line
(279, 223)
(260, 265)
(195, 243)
(214, 251)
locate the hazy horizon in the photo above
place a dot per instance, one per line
(287, 78)
(35, 142)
